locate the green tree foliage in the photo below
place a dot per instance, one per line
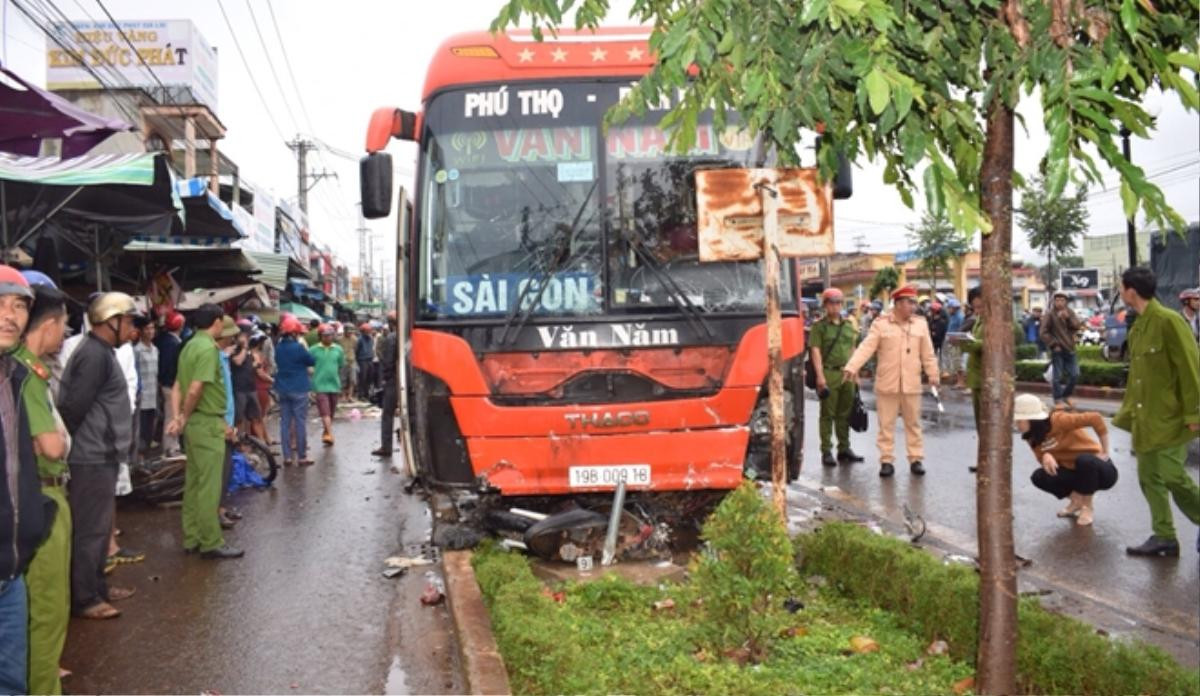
(903, 81)
(886, 280)
(937, 243)
(1052, 222)
(745, 574)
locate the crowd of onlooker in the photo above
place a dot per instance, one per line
(78, 413)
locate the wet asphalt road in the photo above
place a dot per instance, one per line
(306, 611)
(1089, 562)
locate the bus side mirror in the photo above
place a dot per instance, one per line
(843, 183)
(375, 183)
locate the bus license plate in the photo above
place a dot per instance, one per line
(609, 476)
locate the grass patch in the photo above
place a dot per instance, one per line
(1055, 654)
(607, 637)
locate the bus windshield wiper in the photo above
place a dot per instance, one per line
(550, 265)
(690, 311)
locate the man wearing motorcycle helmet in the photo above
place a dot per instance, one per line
(93, 400)
(24, 512)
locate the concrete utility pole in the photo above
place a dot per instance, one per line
(363, 268)
(303, 178)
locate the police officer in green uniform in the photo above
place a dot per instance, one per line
(831, 341)
(1161, 409)
(200, 387)
(49, 575)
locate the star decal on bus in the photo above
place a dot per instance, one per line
(559, 55)
(599, 55)
(634, 53)
(525, 55)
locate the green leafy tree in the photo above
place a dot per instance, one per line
(886, 280)
(745, 575)
(929, 88)
(937, 243)
(1053, 223)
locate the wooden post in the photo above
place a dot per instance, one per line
(771, 266)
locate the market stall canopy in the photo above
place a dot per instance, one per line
(29, 114)
(300, 311)
(191, 266)
(84, 198)
(237, 293)
(274, 268)
(208, 221)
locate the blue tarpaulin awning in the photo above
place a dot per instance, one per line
(208, 221)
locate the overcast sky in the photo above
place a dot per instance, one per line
(352, 56)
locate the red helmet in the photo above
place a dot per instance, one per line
(364, 327)
(937, 306)
(1190, 294)
(291, 325)
(831, 294)
(323, 329)
(13, 283)
(174, 321)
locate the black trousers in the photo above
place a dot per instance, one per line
(1091, 474)
(147, 418)
(364, 380)
(92, 495)
(387, 420)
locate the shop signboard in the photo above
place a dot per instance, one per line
(173, 49)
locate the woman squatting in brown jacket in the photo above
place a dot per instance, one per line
(1073, 464)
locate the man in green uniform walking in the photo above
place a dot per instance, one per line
(49, 575)
(1161, 409)
(201, 418)
(831, 340)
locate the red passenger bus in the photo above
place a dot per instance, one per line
(563, 335)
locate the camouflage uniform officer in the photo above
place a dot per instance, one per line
(831, 341)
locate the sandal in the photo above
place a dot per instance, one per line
(100, 611)
(124, 555)
(117, 594)
(110, 565)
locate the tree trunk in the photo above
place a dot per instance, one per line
(996, 659)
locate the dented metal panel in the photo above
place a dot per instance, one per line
(730, 213)
(678, 461)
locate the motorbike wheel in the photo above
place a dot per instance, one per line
(258, 454)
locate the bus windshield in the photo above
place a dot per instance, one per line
(527, 205)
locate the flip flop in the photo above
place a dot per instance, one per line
(116, 594)
(100, 611)
(124, 555)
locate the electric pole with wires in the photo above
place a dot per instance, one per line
(304, 180)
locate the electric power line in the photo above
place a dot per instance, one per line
(250, 73)
(44, 23)
(287, 63)
(271, 64)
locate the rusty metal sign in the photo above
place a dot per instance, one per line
(730, 213)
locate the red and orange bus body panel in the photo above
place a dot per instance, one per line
(695, 443)
(520, 449)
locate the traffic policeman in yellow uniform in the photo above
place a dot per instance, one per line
(200, 389)
(49, 575)
(831, 340)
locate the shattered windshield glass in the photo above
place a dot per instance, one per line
(653, 242)
(528, 207)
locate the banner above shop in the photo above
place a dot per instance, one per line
(174, 50)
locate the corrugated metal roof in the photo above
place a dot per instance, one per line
(274, 268)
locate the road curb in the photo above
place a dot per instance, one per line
(483, 666)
